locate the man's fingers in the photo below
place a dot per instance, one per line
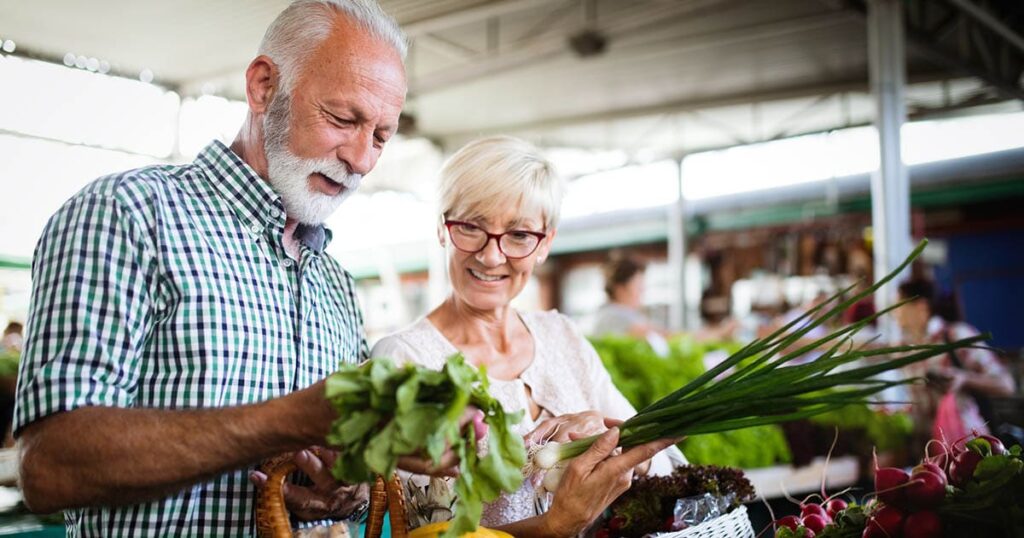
(327, 456)
(357, 498)
(612, 422)
(305, 503)
(316, 470)
(257, 478)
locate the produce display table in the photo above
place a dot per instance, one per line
(773, 482)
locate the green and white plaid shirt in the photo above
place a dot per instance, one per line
(169, 287)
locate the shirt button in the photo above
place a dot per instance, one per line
(274, 213)
(256, 229)
(287, 262)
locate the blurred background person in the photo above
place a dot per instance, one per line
(623, 313)
(12, 338)
(970, 376)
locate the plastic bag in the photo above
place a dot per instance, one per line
(691, 511)
(948, 424)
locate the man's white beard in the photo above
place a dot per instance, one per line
(288, 174)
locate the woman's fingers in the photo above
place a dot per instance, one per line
(544, 431)
(447, 467)
(598, 452)
(612, 422)
(636, 455)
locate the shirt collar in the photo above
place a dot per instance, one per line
(252, 198)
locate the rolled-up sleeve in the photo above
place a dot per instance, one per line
(90, 311)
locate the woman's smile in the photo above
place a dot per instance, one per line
(484, 277)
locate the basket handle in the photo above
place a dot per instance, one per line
(272, 519)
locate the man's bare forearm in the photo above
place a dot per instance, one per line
(113, 456)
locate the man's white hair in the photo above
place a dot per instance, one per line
(303, 25)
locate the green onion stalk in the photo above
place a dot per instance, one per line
(757, 386)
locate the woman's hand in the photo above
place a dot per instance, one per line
(326, 498)
(560, 428)
(593, 480)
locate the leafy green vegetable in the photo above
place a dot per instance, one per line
(748, 448)
(646, 507)
(385, 412)
(885, 431)
(849, 523)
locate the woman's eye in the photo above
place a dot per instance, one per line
(468, 229)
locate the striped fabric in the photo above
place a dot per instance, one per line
(169, 287)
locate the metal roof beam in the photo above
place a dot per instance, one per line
(992, 23)
(544, 47)
(856, 84)
(922, 42)
(462, 16)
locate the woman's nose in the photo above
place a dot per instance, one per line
(491, 255)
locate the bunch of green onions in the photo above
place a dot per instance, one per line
(762, 389)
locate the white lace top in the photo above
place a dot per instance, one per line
(566, 376)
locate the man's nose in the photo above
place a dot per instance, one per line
(359, 153)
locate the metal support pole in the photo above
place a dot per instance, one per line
(890, 186)
(677, 256)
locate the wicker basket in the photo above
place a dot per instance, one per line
(735, 524)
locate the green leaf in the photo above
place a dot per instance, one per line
(378, 454)
(353, 427)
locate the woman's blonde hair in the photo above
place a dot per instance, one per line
(491, 174)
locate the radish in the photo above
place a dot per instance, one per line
(814, 509)
(886, 522)
(987, 445)
(790, 522)
(814, 522)
(962, 469)
(833, 507)
(923, 524)
(890, 485)
(930, 467)
(926, 489)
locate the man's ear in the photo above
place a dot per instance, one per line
(261, 83)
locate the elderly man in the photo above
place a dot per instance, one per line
(183, 317)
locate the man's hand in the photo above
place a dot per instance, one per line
(326, 498)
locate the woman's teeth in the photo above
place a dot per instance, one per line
(486, 278)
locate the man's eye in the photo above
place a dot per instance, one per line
(341, 121)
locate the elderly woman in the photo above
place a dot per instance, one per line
(499, 208)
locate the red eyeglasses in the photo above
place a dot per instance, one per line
(514, 244)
